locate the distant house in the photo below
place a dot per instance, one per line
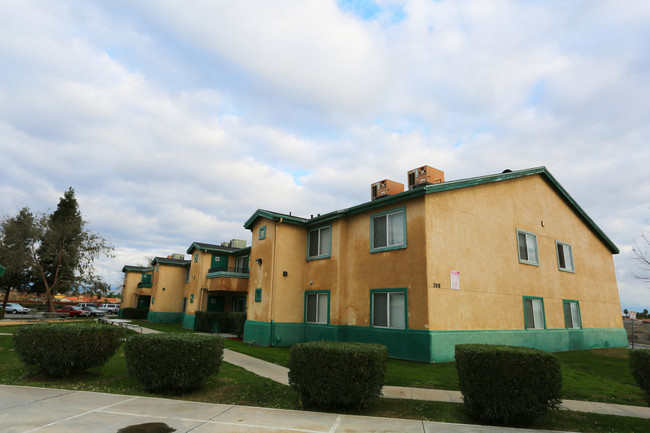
(508, 258)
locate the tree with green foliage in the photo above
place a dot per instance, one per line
(17, 234)
(61, 250)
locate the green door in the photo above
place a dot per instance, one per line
(219, 263)
(216, 303)
(143, 301)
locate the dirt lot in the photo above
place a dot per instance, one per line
(641, 331)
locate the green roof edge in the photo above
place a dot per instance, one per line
(440, 187)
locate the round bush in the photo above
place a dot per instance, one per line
(506, 384)
(336, 374)
(173, 362)
(62, 349)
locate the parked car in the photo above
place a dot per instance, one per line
(95, 312)
(86, 304)
(16, 308)
(110, 308)
(73, 311)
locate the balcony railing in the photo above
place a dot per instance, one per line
(142, 285)
(236, 269)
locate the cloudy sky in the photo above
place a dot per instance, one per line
(174, 121)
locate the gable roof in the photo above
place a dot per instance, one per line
(440, 187)
(171, 262)
(201, 246)
(141, 269)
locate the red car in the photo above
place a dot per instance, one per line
(73, 311)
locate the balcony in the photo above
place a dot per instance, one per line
(230, 269)
(145, 285)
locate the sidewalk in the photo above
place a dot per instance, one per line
(280, 374)
(28, 409)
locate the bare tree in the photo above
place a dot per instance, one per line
(641, 253)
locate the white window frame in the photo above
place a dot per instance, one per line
(322, 300)
(529, 246)
(390, 294)
(388, 216)
(567, 255)
(535, 307)
(574, 314)
(321, 253)
(239, 261)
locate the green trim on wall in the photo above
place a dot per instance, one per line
(189, 321)
(163, 317)
(226, 274)
(432, 346)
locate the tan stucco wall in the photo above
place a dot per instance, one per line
(474, 231)
(129, 288)
(172, 279)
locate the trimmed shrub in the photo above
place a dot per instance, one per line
(237, 323)
(134, 313)
(335, 374)
(173, 362)
(640, 366)
(205, 321)
(507, 384)
(62, 349)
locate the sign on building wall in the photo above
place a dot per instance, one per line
(455, 280)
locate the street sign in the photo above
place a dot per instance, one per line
(633, 315)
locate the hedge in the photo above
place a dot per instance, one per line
(63, 349)
(174, 362)
(506, 384)
(337, 374)
(640, 366)
(134, 313)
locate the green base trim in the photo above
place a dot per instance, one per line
(432, 346)
(189, 322)
(160, 317)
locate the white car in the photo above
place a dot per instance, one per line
(110, 308)
(16, 308)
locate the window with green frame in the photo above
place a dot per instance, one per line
(388, 230)
(317, 306)
(389, 308)
(572, 314)
(534, 313)
(258, 295)
(527, 246)
(262, 233)
(564, 257)
(319, 243)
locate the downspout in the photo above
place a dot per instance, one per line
(275, 243)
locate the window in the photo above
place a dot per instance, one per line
(572, 314)
(258, 295)
(564, 256)
(238, 305)
(389, 308)
(241, 264)
(317, 307)
(527, 243)
(534, 313)
(262, 234)
(319, 243)
(388, 230)
(187, 275)
(196, 257)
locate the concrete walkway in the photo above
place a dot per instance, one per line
(280, 374)
(29, 409)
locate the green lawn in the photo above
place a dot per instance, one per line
(234, 385)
